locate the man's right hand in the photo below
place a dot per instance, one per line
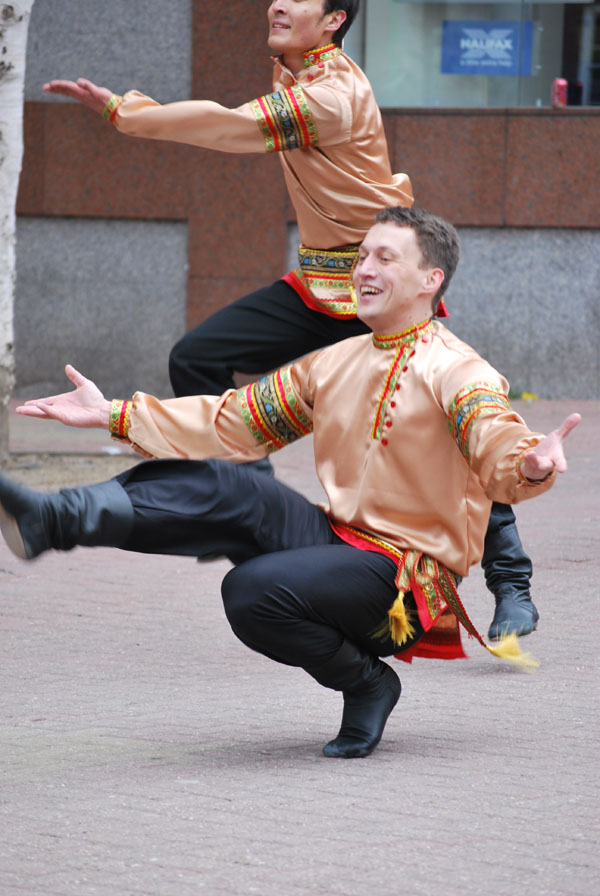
(84, 406)
(83, 91)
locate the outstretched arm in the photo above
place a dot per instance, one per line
(85, 406)
(83, 91)
(548, 455)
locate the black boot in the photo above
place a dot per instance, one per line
(33, 522)
(508, 571)
(371, 689)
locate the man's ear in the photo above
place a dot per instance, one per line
(434, 278)
(336, 20)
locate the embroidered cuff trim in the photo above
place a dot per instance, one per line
(110, 110)
(119, 419)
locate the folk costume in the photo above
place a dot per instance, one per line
(413, 438)
(326, 127)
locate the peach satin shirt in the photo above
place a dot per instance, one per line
(327, 129)
(413, 436)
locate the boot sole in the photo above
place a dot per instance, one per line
(520, 633)
(12, 534)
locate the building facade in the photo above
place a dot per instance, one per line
(123, 243)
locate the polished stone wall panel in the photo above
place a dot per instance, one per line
(456, 163)
(553, 169)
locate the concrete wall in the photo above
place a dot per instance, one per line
(121, 44)
(105, 296)
(529, 302)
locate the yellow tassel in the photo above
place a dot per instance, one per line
(400, 626)
(508, 649)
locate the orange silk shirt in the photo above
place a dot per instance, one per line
(327, 128)
(413, 436)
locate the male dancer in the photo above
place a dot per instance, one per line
(413, 437)
(324, 123)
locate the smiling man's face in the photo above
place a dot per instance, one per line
(296, 26)
(394, 288)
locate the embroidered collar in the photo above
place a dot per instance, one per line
(322, 54)
(408, 337)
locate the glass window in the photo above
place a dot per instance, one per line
(589, 58)
(465, 54)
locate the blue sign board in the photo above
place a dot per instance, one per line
(487, 48)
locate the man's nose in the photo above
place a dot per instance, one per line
(366, 266)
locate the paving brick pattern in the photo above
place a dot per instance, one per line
(143, 750)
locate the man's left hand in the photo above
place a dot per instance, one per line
(548, 455)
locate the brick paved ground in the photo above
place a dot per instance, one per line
(145, 751)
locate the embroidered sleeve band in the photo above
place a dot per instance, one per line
(473, 401)
(285, 120)
(119, 419)
(271, 411)
(111, 108)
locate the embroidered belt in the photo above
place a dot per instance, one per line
(323, 280)
(433, 586)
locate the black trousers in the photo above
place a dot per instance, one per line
(256, 334)
(297, 590)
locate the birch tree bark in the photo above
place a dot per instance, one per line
(14, 23)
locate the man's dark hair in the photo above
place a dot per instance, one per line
(350, 7)
(437, 240)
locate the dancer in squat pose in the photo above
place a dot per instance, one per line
(413, 438)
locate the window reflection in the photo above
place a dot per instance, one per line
(421, 53)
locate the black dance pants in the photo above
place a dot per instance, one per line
(256, 334)
(297, 590)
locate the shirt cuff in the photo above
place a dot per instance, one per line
(118, 424)
(112, 107)
(523, 480)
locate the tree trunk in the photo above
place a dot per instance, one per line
(14, 22)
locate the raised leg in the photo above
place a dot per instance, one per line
(195, 508)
